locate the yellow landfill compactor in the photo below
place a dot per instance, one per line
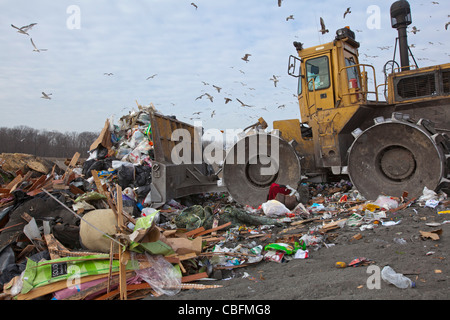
(389, 138)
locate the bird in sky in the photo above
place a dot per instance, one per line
(210, 97)
(45, 95)
(291, 17)
(415, 30)
(279, 3)
(24, 29)
(227, 100)
(243, 104)
(193, 4)
(245, 58)
(35, 48)
(275, 80)
(213, 113)
(151, 77)
(347, 12)
(217, 88)
(446, 25)
(198, 112)
(322, 25)
(108, 73)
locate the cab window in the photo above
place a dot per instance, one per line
(318, 74)
(352, 72)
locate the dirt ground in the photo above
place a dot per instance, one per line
(424, 261)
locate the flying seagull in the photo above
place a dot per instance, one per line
(108, 73)
(45, 95)
(207, 95)
(24, 29)
(210, 97)
(275, 80)
(279, 3)
(213, 113)
(243, 104)
(322, 24)
(347, 12)
(227, 100)
(291, 17)
(151, 77)
(446, 25)
(245, 58)
(217, 88)
(35, 48)
(415, 30)
(196, 7)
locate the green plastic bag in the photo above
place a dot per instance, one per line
(69, 268)
(285, 247)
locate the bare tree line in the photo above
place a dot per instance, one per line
(43, 143)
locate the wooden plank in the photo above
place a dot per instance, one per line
(122, 270)
(38, 183)
(75, 190)
(56, 286)
(194, 277)
(98, 183)
(187, 256)
(13, 183)
(213, 229)
(74, 160)
(193, 232)
(14, 225)
(131, 288)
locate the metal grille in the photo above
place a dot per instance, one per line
(446, 81)
(417, 86)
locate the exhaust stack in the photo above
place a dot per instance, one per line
(400, 19)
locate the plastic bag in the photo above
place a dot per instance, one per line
(274, 208)
(161, 275)
(427, 194)
(288, 249)
(386, 202)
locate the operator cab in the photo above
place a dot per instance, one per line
(330, 75)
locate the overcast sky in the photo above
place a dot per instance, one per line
(184, 46)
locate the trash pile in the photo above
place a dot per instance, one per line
(87, 232)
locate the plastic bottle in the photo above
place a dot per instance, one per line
(397, 279)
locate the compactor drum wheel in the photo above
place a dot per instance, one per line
(254, 163)
(395, 156)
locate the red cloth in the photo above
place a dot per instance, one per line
(276, 189)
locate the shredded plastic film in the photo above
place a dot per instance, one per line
(162, 276)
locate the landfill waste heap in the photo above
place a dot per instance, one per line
(85, 230)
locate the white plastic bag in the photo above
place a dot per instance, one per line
(427, 194)
(274, 208)
(386, 202)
